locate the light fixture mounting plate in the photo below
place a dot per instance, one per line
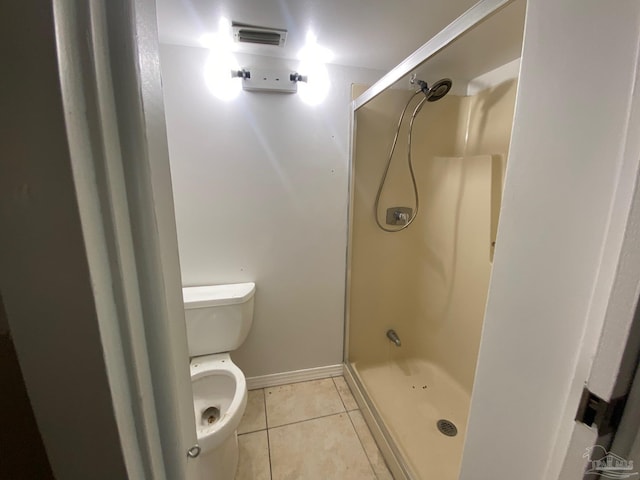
(269, 80)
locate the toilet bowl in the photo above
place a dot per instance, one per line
(219, 398)
(218, 319)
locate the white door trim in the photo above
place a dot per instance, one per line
(114, 115)
(97, 169)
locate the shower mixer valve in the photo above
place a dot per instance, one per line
(398, 215)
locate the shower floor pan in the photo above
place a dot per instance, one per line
(411, 395)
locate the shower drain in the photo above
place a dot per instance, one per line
(447, 428)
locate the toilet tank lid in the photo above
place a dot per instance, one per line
(212, 295)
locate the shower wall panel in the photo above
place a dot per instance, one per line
(428, 282)
(386, 268)
(489, 131)
(455, 235)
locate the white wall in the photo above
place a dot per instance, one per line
(260, 187)
(565, 159)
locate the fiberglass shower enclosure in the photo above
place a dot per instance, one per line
(428, 282)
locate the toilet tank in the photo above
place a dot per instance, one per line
(218, 317)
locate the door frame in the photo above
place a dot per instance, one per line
(114, 114)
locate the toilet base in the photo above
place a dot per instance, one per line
(220, 463)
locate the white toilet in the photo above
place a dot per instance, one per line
(218, 320)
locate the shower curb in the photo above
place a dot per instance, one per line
(392, 461)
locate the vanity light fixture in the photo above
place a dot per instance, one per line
(225, 79)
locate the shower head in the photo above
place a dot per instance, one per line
(436, 91)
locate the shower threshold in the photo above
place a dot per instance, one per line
(409, 397)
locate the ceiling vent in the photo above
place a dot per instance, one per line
(258, 35)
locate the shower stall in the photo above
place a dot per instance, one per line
(426, 189)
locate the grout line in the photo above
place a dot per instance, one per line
(366, 454)
(252, 431)
(264, 407)
(309, 419)
(339, 394)
(306, 419)
(266, 421)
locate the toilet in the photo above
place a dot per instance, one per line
(218, 319)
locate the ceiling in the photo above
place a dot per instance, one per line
(375, 34)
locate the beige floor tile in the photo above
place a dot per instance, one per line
(301, 401)
(254, 417)
(370, 447)
(253, 462)
(345, 393)
(325, 448)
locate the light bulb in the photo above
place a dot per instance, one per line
(312, 64)
(220, 63)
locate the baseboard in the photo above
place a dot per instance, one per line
(283, 378)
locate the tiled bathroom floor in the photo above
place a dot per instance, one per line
(308, 430)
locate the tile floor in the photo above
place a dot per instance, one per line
(308, 430)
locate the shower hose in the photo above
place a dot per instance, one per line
(409, 161)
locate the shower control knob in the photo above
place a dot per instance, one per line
(194, 451)
(399, 215)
